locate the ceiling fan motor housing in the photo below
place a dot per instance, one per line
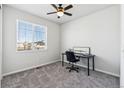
(60, 9)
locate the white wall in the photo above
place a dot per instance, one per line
(16, 61)
(0, 44)
(101, 32)
(122, 48)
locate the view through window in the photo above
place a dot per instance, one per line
(30, 36)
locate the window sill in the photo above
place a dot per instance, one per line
(30, 51)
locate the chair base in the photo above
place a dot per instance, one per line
(72, 68)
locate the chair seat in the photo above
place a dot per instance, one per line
(74, 61)
(77, 60)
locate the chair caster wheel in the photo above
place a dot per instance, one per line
(77, 71)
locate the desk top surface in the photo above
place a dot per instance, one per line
(82, 55)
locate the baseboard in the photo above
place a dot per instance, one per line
(113, 74)
(106, 72)
(6, 74)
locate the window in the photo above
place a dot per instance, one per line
(30, 36)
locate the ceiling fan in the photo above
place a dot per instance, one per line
(61, 10)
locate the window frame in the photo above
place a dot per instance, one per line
(33, 25)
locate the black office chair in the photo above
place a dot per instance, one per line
(72, 59)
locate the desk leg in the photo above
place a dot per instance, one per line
(62, 60)
(88, 66)
(93, 64)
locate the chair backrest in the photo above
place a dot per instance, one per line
(70, 56)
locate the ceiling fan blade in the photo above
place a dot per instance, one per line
(54, 6)
(69, 14)
(58, 16)
(51, 13)
(68, 7)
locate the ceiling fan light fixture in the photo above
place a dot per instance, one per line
(60, 13)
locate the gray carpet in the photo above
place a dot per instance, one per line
(56, 76)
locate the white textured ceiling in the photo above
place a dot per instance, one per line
(77, 11)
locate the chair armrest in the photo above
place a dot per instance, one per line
(78, 57)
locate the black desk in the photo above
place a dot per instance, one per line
(90, 56)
